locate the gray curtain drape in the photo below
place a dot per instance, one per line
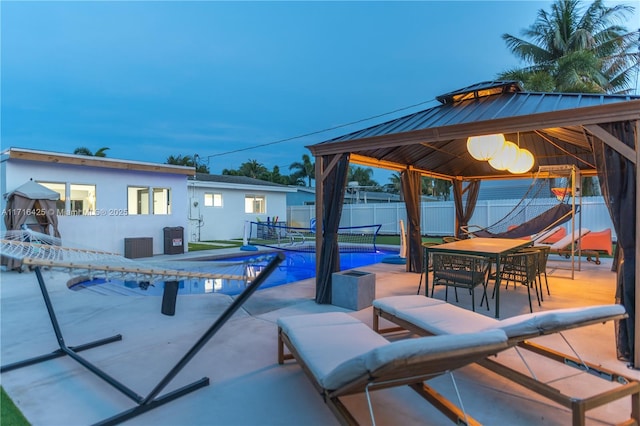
(19, 208)
(411, 182)
(617, 177)
(332, 199)
(464, 212)
(49, 207)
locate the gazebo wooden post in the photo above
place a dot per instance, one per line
(636, 338)
(319, 178)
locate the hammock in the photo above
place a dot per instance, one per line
(36, 249)
(553, 217)
(536, 201)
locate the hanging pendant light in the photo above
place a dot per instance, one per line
(506, 157)
(485, 147)
(524, 162)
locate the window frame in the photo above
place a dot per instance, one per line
(61, 204)
(253, 199)
(141, 209)
(216, 199)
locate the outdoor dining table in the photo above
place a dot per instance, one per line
(494, 248)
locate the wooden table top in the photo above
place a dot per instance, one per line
(488, 246)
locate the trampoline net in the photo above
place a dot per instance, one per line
(352, 239)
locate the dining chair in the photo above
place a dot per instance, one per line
(522, 268)
(461, 271)
(449, 239)
(543, 256)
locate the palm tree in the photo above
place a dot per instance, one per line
(102, 152)
(83, 150)
(442, 189)
(362, 175)
(305, 169)
(396, 184)
(253, 169)
(569, 51)
(275, 176)
(189, 161)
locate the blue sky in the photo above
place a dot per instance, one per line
(154, 79)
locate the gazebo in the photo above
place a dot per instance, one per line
(31, 202)
(596, 133)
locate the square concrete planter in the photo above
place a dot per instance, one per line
(353, 289)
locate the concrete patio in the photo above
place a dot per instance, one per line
(248, 387)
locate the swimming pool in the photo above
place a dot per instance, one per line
(297, 266)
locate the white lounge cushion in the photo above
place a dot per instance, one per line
(447, 319)
(567, 239)
(327, 340)
(393, 304)
(434, 315)
(450, 319)
(556, 320)
(338, 348)
(410, 352)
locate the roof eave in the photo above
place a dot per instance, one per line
(108, 163)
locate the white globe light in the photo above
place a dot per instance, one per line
(484, 147)
(524, 162)
(505, 157)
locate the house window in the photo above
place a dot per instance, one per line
(82, 199)
(161, 201)
(213, 200)
(138, 200)
(60, 188)
(254, 204)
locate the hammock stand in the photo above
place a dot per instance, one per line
(152, 400)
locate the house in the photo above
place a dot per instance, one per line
(219, 205)
(104, 201)
(514, 189)
(303, 196)
(306, 196)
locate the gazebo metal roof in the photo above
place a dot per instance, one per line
(555, 127)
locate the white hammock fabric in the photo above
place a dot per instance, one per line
(38, 249)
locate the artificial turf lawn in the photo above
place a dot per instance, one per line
(9, 413)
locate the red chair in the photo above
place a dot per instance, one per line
(595, 243)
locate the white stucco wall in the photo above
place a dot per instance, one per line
(108, 229)
(227, 222)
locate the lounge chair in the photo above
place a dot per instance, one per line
(425, 316)
(549, 235)
(563, 245)
(343, 356)
(595, 243)
(560, 233)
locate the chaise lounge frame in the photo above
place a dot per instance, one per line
(578, 406)
(396, 373)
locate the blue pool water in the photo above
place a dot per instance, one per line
(297, 266)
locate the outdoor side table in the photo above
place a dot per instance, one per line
(353, 289)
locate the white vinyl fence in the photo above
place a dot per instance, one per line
(438, 217)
